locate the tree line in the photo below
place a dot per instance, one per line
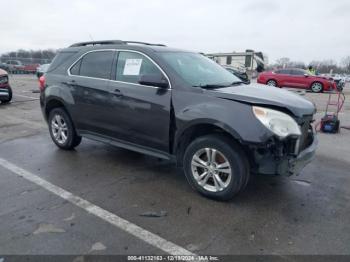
(30, 56)
(322, 67)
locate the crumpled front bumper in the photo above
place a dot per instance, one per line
(293, 166)
(288, 164)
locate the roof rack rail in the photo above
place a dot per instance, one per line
(142, 43)
(112, 42)
(104, 42)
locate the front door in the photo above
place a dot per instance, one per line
(142, 112)
(298, 78)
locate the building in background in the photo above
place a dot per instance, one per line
(250, 61)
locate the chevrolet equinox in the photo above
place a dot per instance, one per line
(177, 105)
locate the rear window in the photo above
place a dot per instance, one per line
(59, 59)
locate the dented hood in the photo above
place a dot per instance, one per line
(263, 95)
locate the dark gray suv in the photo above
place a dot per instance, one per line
(180, 106)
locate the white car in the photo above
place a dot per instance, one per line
(42, 70)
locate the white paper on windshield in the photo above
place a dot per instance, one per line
(132, 67)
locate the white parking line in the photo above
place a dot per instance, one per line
(107, 216)
(27, 96)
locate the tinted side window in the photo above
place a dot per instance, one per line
(75, 70)
(283, 71)
(59, 59)
(132, 65)
(97, 64)
(297, 72)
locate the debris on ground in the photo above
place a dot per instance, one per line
(69, 218)
(252, 236)
(154, 214)
(48, 228)
(301, 182)
(98, 246)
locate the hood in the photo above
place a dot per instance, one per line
(2, 72)
(324, 77)
(263, 95)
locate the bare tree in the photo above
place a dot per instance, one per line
(283, 62)
(30, 56)
(346, 63)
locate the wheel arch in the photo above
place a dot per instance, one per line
(53, 103)
(198, 129)
(317, 81)
(273, 79)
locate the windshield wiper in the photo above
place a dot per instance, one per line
(236, 83)
(210, 86)
(219, 85)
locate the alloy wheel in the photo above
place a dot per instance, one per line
(211, 169)
(271, 83)
(316, 87)
(59, 129)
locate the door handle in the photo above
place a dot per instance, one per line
(117, 92)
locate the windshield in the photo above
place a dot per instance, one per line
(198, 70)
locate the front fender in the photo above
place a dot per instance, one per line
(234, 117)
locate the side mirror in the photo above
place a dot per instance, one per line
(306, 75)
(154, 80)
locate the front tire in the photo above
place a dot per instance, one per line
(62, 130)
(317, 87)
(216, 167)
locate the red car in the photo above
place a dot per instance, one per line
(5, 89)
(296, 78)
(31, 68)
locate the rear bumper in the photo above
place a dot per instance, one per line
(260, 81)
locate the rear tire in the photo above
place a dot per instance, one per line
(216, 167)
(271, 83)
(62, 130)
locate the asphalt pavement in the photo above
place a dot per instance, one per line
(306, 214)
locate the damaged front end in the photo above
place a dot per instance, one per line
(289, 155)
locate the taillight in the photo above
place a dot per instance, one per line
(42, 83)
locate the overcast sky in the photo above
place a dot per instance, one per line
(302, 30)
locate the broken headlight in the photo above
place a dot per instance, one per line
(279, 123)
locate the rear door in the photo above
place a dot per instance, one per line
(89, 84)
(142, 112)
(282, 77)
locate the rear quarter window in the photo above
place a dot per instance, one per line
(59, 59)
